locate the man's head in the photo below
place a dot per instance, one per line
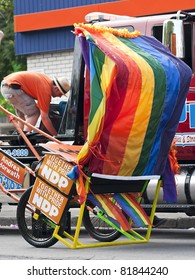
(61, 85)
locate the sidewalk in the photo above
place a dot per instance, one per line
(174, 220)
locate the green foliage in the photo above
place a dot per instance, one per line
(9, 62)
(5, 105)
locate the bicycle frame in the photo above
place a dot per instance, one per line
(51, 178)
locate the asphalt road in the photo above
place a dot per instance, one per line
(173, 240)
(170, 248)
(165, 244)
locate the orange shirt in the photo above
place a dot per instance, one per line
(37, 85)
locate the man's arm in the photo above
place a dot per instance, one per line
(47, 123)
(20, 115)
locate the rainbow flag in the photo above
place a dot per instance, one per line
(132, 208)
(110, 208)
(137, 92)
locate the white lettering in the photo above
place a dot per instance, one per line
(37, 200)
(46, 172)
(45, 206)
(54, 178)
(53, 211)
(63, 183)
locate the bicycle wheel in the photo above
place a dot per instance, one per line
(97, 228)
(38, 233)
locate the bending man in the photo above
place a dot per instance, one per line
(30, 94)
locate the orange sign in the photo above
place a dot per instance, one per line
(52, 187)
(48, 200)
(68, 152)
(12, 172)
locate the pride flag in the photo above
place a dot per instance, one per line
(110, 208)
(132, 208)
(137, 92)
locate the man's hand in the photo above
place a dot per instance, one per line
(47, 123)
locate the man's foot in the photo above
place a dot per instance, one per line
(158, 221)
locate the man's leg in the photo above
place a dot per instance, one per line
(32, 119)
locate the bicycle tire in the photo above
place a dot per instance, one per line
(97, 228)
(37, 233)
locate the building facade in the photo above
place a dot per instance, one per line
(43, 28)
(48, 49)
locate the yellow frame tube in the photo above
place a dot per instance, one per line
(74, 242)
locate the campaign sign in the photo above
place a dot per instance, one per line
(52, 187)
(12, 172)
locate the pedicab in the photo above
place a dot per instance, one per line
(137, 90)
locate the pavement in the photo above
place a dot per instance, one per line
(8, 216)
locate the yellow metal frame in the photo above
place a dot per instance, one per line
(131, 237)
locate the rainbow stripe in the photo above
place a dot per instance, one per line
(137, 92)
(131, 207)
(113, 212)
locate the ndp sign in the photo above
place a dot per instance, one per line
(52, 187)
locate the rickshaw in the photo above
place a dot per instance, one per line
(135, 92)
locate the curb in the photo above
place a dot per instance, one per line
(179, 223)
